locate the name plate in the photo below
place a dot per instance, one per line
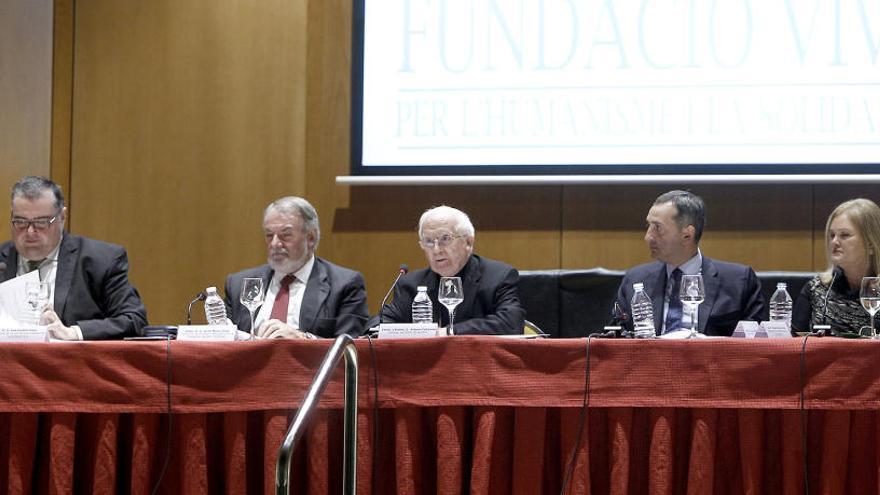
(776, 329)
(748, 330)
(407, 330)
(763, 330)
(207, 333)
(24, 334)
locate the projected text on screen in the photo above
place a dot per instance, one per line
(566, 82)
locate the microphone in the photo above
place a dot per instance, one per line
(820, 330)
(609, 333)
(201, 296)
(404, 268)
(619, 318)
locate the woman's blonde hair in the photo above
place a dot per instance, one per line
(865, 215)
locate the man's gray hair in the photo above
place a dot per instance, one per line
(463, 224)
(691, 210)
(33, 187)
(294, 205)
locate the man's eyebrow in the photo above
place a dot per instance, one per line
(48, 217)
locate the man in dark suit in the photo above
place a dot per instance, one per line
(93, 298)
(674, 228)
(491, 297)
(304, 296)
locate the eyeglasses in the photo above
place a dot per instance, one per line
(441, 242)
(39, 224)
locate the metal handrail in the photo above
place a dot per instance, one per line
(342, 344)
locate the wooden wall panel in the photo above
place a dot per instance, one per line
(62, 91)
(188, 118)
(25, 92)
(827, 197)
(603, 226)
(767, 227)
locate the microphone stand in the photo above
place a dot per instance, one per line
(825, 327)
(401, 272)
(201, 296)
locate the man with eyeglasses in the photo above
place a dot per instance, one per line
(491, 303)
(305, 297)
(91, 296)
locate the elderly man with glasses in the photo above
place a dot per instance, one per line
(90, 295)
(491, 303)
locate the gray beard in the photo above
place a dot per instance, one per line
(289, 265)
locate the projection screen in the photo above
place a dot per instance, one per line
(628, 87)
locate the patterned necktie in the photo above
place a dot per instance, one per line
(282, 299)
(673, 312)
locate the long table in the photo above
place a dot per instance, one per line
(482, 415)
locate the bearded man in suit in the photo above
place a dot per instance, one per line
(305, 296)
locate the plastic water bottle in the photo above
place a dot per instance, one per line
(215, 308)
(422, 309)
(642, 313)
(780, 305)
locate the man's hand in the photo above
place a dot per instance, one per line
(274, 329)
(56, 329)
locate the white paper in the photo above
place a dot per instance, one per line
(684, 333)
(13, 300)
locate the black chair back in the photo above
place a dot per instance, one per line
(576, 303)
(569, 303)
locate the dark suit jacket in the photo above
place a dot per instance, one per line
(733, 293)
(91, 287)
(491, 299)
(334, 303)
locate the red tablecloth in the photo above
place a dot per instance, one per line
(457, 415)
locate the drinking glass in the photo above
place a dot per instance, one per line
(870, 297)
(692, 294)
(37, 298)
(251, 297)
(450, 295)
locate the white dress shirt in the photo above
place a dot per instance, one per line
(48, 271)
(47, 268)
(693, 266)
(297, 290)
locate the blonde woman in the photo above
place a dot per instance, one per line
(852, 241)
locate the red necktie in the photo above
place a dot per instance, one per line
(279, 309)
